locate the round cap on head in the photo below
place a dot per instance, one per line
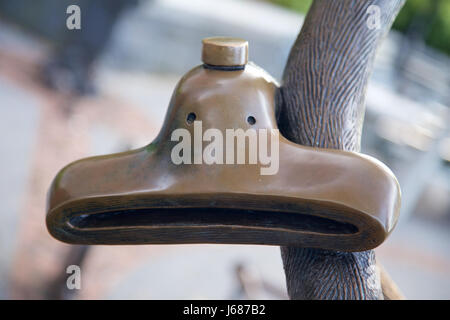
(225, 51)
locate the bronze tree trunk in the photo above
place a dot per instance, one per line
(321, 104)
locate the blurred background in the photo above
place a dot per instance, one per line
(67, 94)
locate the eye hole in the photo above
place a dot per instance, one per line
(191, 118)
(251, 120)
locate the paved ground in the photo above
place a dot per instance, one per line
(18, 121)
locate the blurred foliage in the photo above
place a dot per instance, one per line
(428, 19)
(431, 17)
(297, 5)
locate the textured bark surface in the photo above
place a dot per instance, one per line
(321, 103)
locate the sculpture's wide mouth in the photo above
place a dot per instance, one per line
(194, 217)
(214, 218)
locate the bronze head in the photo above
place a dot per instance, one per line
(195, 183)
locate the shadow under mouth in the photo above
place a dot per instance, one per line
(204, 217)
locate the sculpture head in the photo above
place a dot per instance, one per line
(220, 172)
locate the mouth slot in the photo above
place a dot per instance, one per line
(204, 217)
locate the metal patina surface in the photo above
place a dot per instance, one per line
(319, 198)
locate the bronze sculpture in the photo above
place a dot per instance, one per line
(334, 43)
(316, 198)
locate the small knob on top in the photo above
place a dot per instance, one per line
(225, 51)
